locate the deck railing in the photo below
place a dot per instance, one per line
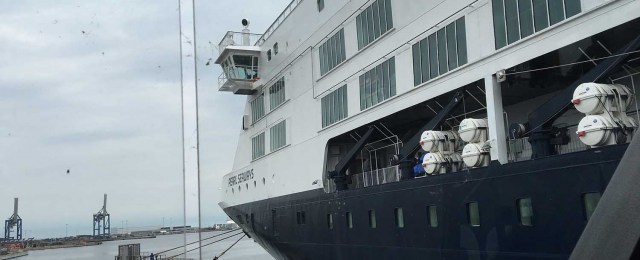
(238, 39)
(287, 11)
(376, 177)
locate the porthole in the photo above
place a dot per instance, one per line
(372, 219)
(525, 211)
(473, 214)
(399, 217)
(432, 215)
(589, 203)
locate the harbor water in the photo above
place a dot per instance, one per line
(245, 249)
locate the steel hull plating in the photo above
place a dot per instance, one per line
(554, 184)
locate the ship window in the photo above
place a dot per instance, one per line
(349, 220)
(440, 52)
(525, 12)
(239, 219)
(245, 67)
(590, 201)
(373, 22)
(275, 48)
(264, 181)
(330, 221)
(432, 215)
(514, 20)
(399, 217)
(331, 52)
(334, 106)
(473, 214)
(269, 55)
(278, 134)
(300, 218)
(372, 219)
(255, 184)
(572, 7)
(540, 15)
(246, 185)
(511, 19)
(320, 5)
(274, 223)
(257, 146)
(525, 211)
(257, 108)
(378, 84)
(276, 94)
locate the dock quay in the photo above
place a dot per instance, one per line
(12, 255)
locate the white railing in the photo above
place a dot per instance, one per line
(377, 177)
(238, 39)
(287, 11)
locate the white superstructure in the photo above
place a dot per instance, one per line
(316, 56)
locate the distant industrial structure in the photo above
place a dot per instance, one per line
(102, 221)
(13, 222)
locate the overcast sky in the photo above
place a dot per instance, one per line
(94, 87)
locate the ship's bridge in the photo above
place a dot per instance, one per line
(239, 55)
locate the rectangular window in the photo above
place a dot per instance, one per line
(511, 16)
(257, 146)
(330, 221)
(525, 211)
(334, 106)
(517, 19)
(378, 84)
(274, 223)
(443, 63)
(473, 214)
(589, 202)
(399, 217)
(278, 134)
(372, 219)
(373, 22)
(572, 7)
(276, 94)
(540, 14)
(320, 5)
(257, 108)
(349, 220)
(440, 52)
(432, 215)
(525, 12)
(332, 52)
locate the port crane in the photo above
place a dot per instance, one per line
(102, 221)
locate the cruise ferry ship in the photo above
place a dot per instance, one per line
(432, 129)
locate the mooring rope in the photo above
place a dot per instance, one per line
(218, 257)
(240, 233)
(185, 245)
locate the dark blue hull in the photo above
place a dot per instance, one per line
(555, 185)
